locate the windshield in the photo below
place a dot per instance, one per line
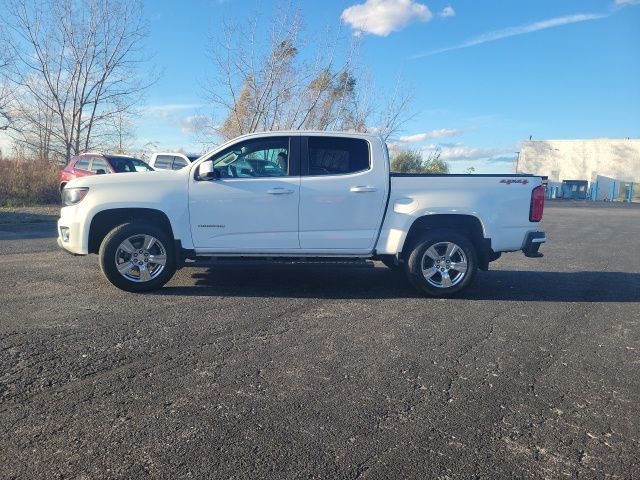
(125, 164)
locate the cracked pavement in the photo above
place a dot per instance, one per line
(314, 371)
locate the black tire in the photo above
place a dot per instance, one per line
(390, 262)
(434, 282)
(113, 255)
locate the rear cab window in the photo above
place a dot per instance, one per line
(163, 161)
(178, 163)
(337, 155)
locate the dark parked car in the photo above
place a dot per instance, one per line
(99, 164)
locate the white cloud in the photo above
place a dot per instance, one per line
(418, 137)
(463, 152)
(448, 11)
(381, 17)
(439, 133)
(163, 111)
(627, 2)
(520, 30)
(444, 132)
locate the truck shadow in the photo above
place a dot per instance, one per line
(27, 231)
(369, 281)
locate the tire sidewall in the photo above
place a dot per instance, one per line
(414, 267)
(112, 241)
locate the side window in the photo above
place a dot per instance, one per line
(337, 156)
(83, 163)
(178, 163)
(163, 161)
(99, 164)
(261, 157)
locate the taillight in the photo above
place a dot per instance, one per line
(537, 204)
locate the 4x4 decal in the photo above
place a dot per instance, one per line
(509, 181)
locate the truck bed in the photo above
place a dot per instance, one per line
(500, 202)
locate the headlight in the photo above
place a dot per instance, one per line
(71, 196)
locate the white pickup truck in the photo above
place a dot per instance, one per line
(170, 161)
(301, 195)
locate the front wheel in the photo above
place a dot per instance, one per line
(442, 263)
(137, 257)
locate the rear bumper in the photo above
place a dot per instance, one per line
(532, 244)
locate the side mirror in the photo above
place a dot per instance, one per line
(100, 171)
(206, 171)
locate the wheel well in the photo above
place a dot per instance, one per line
(105, 221)
(468, 225)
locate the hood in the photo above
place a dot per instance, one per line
(128, 178)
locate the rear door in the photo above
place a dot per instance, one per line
(343, 191)
(99, 166)
(82, 167)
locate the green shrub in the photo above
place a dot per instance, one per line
(411, 161)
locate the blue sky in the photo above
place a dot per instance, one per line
(486, 74)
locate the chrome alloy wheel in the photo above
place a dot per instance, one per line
(140, 258)
(444, 264)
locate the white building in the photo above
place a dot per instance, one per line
(581, 159)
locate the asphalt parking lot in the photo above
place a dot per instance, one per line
(312, 371)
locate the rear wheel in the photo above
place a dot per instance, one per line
(137, 257)
(442, 263)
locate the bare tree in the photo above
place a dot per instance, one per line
(395, 111)
(5, 92)
(272, 83)
(76, 68)
(5, 118)
(122, 127)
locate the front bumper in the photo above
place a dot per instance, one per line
(532, 244)
(70, 236)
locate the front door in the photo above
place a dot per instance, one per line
(253, 205)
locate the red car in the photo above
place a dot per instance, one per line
(98, 163)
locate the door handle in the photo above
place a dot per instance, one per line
(363, 189)
(279, 191)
